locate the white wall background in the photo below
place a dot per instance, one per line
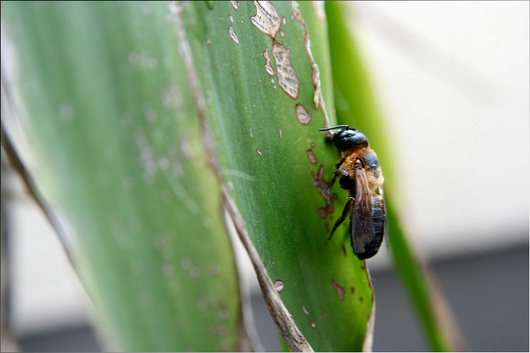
(453, 82)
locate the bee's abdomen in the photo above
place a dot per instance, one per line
(379, 219)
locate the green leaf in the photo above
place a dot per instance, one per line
(356, 106)
(262, 124)
(101, 90)
(144, 120)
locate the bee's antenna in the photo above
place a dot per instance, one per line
(335, 127)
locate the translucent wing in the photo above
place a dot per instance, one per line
(380, 227)
(362, 222)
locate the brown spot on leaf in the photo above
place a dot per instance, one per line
(340, 290)
(352, 290)
(278, 285)
(259, 152)
(266, 19)
(311, 156)
(304, 117)
(268, 66)
(287, 78)
(315, 74)
(323, 190)
(344, 250)
(233, 34)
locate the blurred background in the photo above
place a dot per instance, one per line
(452, 79)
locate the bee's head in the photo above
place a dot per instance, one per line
(346, 138)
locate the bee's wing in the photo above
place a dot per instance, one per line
(363, 223)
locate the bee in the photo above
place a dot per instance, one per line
(359, 172)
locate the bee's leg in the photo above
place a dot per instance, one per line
(337, 173)
(342, 218)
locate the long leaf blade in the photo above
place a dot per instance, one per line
(109, 116)
(255, 78)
